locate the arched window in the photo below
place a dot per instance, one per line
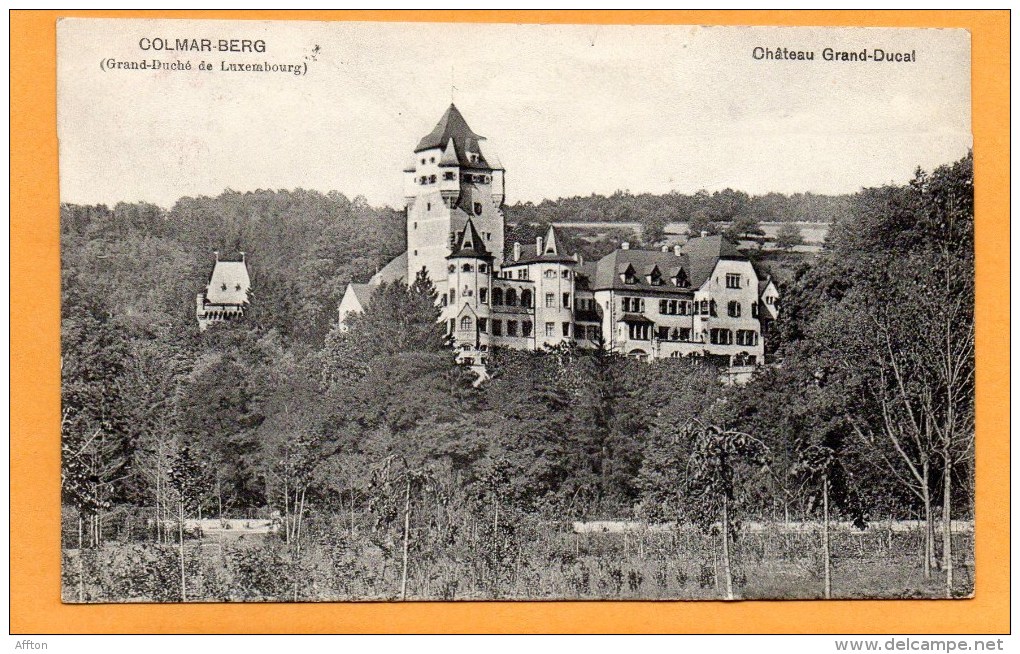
(526, 298)
(451, 268)
(466, 324)
(497, 296)
(511, 297)
(467, 267)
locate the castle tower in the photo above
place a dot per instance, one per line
(469, 275)
(452, 177)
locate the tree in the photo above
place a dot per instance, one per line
(744, 226)
(702, 223)
(788, 237)
(397, 319)
(720, 461)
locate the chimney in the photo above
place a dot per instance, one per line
(665, 248)
(217, 253)
(704, 233)
(517, 251)
(625, 245)
(242, 256)
(538, 245)
(580, 258)
(677, 249)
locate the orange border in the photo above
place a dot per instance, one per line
(35, 381)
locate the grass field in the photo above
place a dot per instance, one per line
(537, 562)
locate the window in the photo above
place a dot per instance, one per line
(416, 253)
(662, 333)
(550, 329)
(770, 300)
(633, 305)
(550, 300)
(432, 179)
(526, 298)
(497, 296)
(448, 176)
(483, 324)
(453, 295)
(565, 274)
(466, 324)
(721, 337)
(639, 331)
(732, 280)
(711, 308)
(423, 161)
(511, 297)
(416, 225)
(664, 306)
(681, 279)
(594, 332)
(549, 274)
(566, 330)
(428, 206)
(703, 309)
(478, 208)
(522, 273)
(444, 299)
(747, 337)
(453, 324)
(483, 295)
(733, 309)
(497, 327)
(467, 267)
(432, 160)
(483, 268)
(526, 328)
(754, 310)
(511, 328)
(566, 300)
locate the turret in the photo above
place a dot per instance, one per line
(451, 177)
(469, 275)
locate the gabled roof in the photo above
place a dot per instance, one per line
(229, 283)
(391, 272)
(362, 292)
(607, 270)
(550, 252)
(452, 126)
(704, 252)
(470, 245)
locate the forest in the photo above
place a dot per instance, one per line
(278, 458)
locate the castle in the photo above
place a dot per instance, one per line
(703, 298)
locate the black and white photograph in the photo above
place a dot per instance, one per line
(366, 311)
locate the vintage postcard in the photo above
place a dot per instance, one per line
(448, 311)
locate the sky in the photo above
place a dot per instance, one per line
(570, 110)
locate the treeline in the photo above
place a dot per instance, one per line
(719, 206)
(870, 414)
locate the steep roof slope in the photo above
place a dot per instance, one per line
(229, 283)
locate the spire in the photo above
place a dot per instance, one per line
(470, 244)
(550, 242)
(452, 126)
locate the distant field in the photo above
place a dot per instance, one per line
(813, 233)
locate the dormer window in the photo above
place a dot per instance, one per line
(655, 277)
(681, 279)
(629, 276)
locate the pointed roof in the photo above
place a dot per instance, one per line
(550, 242)
(229, 283)
(550, 253)
(470, 245)
(451, 126)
